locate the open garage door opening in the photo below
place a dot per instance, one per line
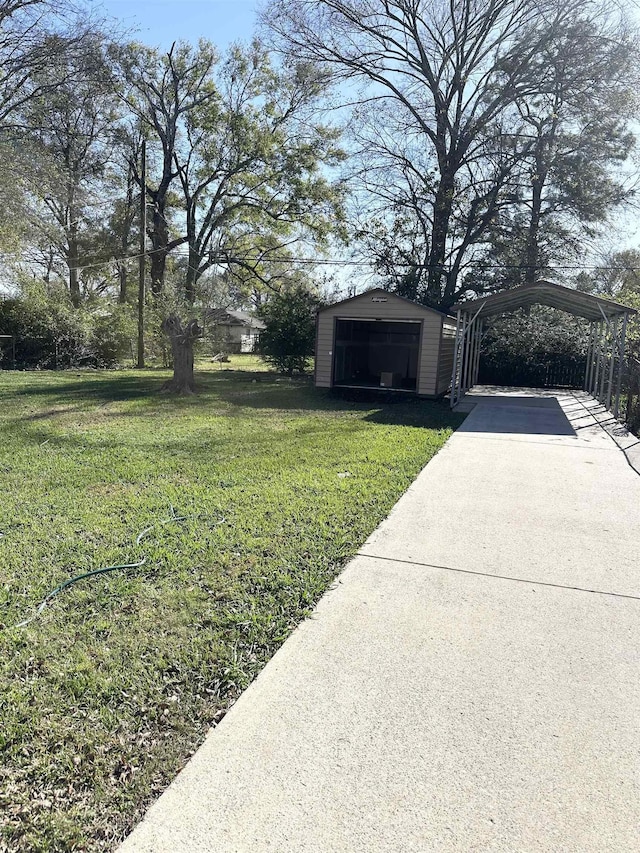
(376, 354)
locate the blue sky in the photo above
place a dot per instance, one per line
(161, 22)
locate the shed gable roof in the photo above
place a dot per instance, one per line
(378, 294)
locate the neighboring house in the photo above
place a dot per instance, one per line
(233, 331)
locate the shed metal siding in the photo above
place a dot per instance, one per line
(445, 362)
(324, 350)
(363, 307)
(428, 379)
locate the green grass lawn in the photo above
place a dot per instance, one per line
(105, 695)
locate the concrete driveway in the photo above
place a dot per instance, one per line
(471, 682)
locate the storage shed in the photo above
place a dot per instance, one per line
(380, 340)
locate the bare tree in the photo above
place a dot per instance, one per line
(396, 180)
(33, 35)
(453, 72)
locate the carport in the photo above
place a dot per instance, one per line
(608, 325)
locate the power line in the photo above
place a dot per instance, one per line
(345, 262)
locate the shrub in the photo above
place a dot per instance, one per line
(288, 339)
(50, 333)
(535, 347)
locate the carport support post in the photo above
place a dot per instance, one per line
(590, 351)
(469, 349)
(621, 345)
(474, 348)
(596, 357)
(476, 367)
(614, 347)
(472, 353)
(601, 396)
(465, 360)
(467, 353)
(463, 332)
(601, 360)
(592, 358)
(596, 378)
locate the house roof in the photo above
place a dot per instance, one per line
(545, 293)
(388, 295)
(234, 317)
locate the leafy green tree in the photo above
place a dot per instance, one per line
(72, 129)
(570, 178)
(288, 340)
(618, 277)
(161, 91)
(52, 333)
(42, 48)
(500, 262)
(238, 154)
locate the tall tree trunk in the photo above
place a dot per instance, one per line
(451, 284)
(182, 339)
(49, 266)
(546, 135)
(192, 274)
(122, 275)
(532, 250)
(436, 282)
(159, 233)
(73, 260)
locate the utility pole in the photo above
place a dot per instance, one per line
(143, 257)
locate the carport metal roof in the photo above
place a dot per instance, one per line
(545, 293)
(608, 325)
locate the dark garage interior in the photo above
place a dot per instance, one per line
(376, 353)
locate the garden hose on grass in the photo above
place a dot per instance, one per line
(73, 580)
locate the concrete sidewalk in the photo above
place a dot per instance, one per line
(471, 681)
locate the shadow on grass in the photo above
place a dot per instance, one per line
(239, 390)
(275, 392)
(115, 387)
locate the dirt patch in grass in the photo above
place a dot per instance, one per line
(106, 695)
